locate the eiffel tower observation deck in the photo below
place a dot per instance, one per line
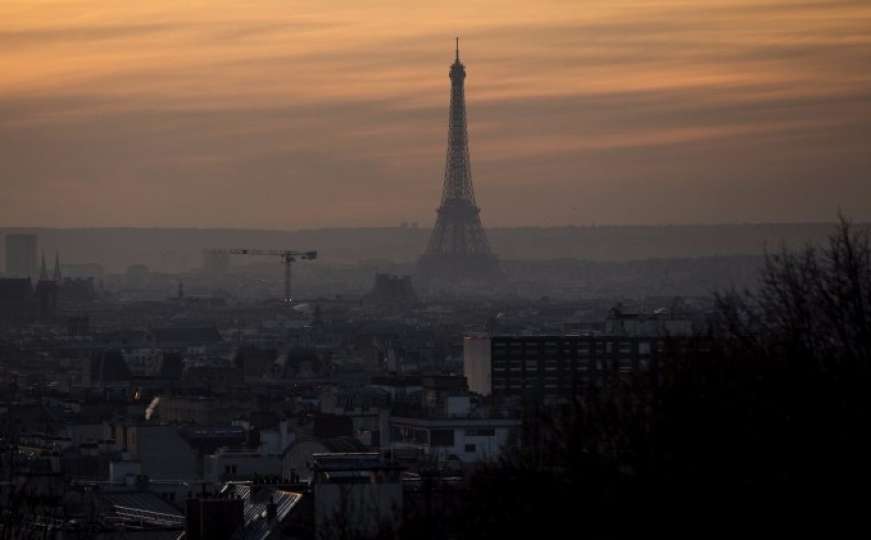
(458, 250)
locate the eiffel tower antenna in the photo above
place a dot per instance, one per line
(458, 249)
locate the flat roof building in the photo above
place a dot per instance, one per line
(546, 367)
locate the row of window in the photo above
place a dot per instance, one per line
(435, 437)
(565, 374)
(626, 347)
(500, 367)
(579, 353)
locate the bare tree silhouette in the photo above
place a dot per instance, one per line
(760, 428)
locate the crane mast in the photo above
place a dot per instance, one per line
(287, 256)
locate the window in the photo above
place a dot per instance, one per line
(471, 448)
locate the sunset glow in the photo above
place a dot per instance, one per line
(282, 114)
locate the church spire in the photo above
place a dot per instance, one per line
(458, 49)
(57, 275)
(43, 272)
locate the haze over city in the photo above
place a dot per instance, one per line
(434, 270)
(285, 114)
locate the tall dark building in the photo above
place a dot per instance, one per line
(21, 255)
(458, 249)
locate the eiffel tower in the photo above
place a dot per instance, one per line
(458, 250)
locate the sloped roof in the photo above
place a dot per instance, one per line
(143, 507)
(256, 500)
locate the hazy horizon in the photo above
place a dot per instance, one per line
(14, 229)
(181, 249)
(282, 115)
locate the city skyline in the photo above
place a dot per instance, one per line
(288, 115)
(442, 270)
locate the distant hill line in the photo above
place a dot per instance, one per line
(179, 249)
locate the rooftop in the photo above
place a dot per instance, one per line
(349, 461)
(256, 499)
(142, 509)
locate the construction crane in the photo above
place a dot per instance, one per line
(287, 256)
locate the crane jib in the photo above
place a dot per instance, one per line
(288, 256)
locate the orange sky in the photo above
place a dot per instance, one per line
(284, 114)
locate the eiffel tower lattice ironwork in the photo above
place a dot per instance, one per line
(458, 247)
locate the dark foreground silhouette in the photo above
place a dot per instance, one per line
(765, 434)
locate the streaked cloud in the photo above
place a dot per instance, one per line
(225, 113)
